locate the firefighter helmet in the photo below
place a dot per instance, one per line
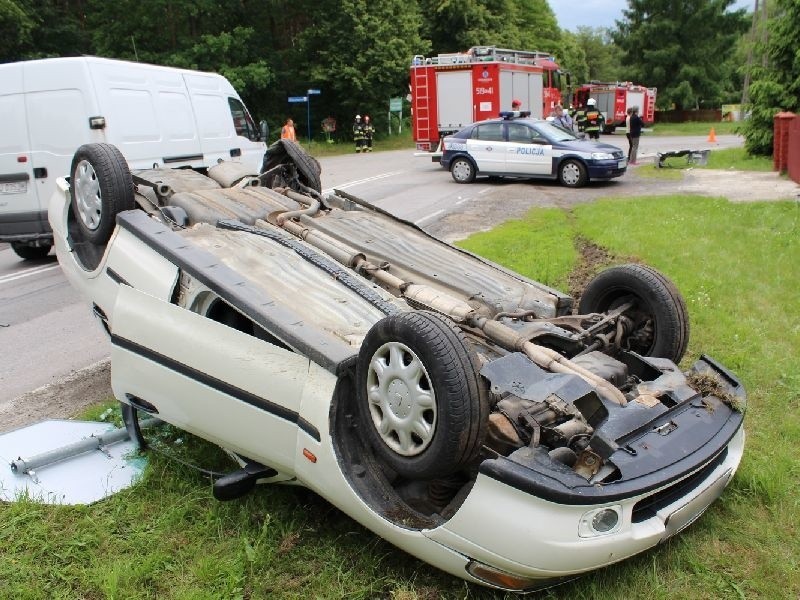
(358, 117)
(591, 102)
(515, 103)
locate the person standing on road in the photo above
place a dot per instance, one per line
(628, 130)
(635, 133)
(287, 131)
(590, 119)
(358, 134)
(369, 132)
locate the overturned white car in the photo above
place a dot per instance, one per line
(474, 418)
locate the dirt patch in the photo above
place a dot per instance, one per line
(60, 400)
(592, 259)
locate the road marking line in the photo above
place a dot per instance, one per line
(349, 184)
(428, 217)
(484, 190)
(463, 200)
(20, 274)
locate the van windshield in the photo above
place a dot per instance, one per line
(242, 121)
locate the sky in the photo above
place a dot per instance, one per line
(572, 14)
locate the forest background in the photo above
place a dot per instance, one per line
(358, 52)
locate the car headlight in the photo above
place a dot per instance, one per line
(602, 156)
(601, 521)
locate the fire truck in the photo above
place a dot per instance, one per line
(614, 100)
(450, 91)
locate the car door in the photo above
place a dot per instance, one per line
(528, 152)
(487, 147)
(226, 386)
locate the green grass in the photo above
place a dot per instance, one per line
(736, 265)
(693, 128)
(383, 142)
(725, 159)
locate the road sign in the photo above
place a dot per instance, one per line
(395, 104)
(310, 92)
(296, 99)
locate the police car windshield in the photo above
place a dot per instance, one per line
(555, 133)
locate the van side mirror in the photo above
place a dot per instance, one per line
(264, 131)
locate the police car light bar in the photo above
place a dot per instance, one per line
(511, 114)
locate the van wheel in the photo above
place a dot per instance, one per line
(30, 252)
(421, 403)
(101, 187)
(288, 152)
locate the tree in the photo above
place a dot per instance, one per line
(15, 29)
(776, 86)
(682, 47)
(602, 56)
(360, 55)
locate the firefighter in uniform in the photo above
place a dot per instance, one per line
(369, 131)
(358, 134)
(590, 119)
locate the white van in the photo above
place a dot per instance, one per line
(154, 115)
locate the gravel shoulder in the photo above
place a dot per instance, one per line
(82, 388)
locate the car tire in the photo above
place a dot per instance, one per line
(421, 402)
(28, 252)
(661, 322)
(463, 170)
(572, 173)
(289, 151)
(101, 187)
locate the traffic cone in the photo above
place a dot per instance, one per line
(712, 137)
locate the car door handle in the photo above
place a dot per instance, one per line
(236, 152)
(40, 172)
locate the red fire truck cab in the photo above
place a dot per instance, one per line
(450, 91)
(614, 100)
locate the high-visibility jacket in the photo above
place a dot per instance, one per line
(589, 120)
(287, 133)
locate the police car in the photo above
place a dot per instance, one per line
(517, 146)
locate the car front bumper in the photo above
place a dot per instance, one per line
(607, 169)
(529, 537)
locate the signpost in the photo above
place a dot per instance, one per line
(308, 106)
(396, 108)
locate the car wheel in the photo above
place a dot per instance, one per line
(421, 403)
(30, 252)
(462, 170)
(101, 187)
(572, 173)
(285, 152)
(660, 320)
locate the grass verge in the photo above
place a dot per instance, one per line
(694, 128)
(736, 266)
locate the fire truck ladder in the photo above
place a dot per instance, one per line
(422, 102)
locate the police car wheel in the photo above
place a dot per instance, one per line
(462, 170)
(572, 173)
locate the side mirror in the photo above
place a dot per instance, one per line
(264, 130)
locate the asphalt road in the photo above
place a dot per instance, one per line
(47, 331)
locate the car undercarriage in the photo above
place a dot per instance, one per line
(442, 371)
